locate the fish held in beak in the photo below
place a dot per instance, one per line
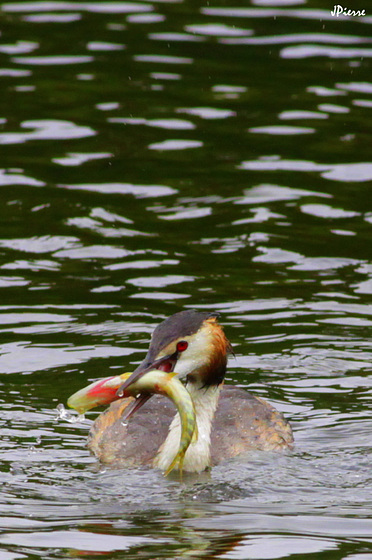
(166, 363)
(105, 391)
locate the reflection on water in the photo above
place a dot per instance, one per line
(156, 156)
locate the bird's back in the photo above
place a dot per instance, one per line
(244, 422)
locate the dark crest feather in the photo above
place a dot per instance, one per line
(184, 323)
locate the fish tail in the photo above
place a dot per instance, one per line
(177, 462)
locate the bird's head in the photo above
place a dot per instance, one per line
(190, 343)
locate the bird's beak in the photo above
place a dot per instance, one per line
(165, 363)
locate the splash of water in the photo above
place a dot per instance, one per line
(68, 415)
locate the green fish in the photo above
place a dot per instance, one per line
(156, 381)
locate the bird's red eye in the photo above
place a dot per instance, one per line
(182, 345)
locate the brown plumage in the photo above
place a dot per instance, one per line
(242, 423)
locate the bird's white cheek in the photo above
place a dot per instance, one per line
(183, 367)
(187, 364)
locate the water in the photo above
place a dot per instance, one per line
(157, 156)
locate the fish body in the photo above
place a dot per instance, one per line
(106, 390)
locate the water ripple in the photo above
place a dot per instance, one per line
(47, 130)
(52, 60)
(358, 172)
(140, 191)
(95, 7)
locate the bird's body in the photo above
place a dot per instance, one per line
(230, 421)
(242, 423)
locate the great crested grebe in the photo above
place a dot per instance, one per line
(230, 421)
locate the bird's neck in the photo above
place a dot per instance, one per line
(198, 455)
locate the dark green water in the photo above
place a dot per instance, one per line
(156, 156)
